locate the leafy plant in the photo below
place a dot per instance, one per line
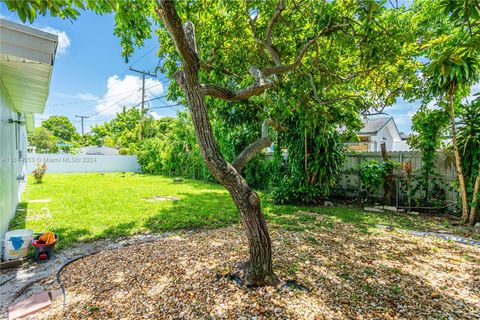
(315, 158)
(43, 140)
(372, 175)
(61, 128)
(454, 66)
(469, 146)
(39, 172)
(429, 128)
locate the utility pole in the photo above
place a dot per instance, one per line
(81, 119)
(143, 72)
(142, 113)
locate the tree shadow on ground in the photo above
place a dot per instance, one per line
(69, 236)
(382, 275)
(118, 230)
(350, 274)
(204, 209)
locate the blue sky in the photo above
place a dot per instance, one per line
(89, 74)
(91, 78)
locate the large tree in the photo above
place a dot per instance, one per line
(341, 57)
(451, 42)
(43, 140)
(61, 128)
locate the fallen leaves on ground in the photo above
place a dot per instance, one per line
(350, 273)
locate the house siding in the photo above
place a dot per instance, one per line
(13, 138)
(382, 135)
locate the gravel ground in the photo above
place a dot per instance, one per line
(351, 274)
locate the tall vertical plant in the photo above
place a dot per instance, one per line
(429, 128)
(454, 66)
(469, 148)
(315, 158)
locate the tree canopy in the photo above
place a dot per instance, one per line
(306, 66)
(61, 128)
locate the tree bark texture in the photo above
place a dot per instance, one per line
(473, 211)
(259, 271)
(458, 163)
(388, 185)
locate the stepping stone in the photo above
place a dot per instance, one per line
(162, 198)
(29, 306)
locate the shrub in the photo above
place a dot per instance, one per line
(315, 158)
(373, 173)
(39, 172)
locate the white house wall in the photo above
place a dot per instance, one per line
(12, 154)
(401, 145)
(382, 135)
(63, 163)
(389, 134)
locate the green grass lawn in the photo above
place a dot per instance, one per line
(89, 206)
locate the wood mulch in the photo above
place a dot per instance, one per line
(351, 274)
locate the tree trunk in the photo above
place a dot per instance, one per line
(259, 271)
(388, 185)
(458, 164)
(247, 201)
(473, 211)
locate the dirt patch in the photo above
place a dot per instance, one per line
(349, 274)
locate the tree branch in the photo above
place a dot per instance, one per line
(253, 149)
(208, 67)
(275, 125)
(314, 89)
(235, 96)
(285, 68)
(184, 39)
(261, 85)
(268, 37)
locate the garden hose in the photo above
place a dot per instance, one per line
(59, 280)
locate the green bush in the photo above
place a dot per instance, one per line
(315, 158)
(175, 153)
(372, 175)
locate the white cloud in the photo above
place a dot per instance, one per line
(126, 92)
(404, 119)
(155, 115)
(63, 39)
(87, 96)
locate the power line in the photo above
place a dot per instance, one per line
(136, 61)
(81, 119)
(166, 106)
(67, 103)
(115, 103)
(111, 105)
(138, 104)
(156, 98)
(120, 76)
(88, 101)
(144, 73)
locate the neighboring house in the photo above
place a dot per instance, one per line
(26, 61)
(376, 131)
(95, 150)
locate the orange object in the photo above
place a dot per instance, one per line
(47, 237)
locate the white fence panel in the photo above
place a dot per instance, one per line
(350, 182)
(63, 163)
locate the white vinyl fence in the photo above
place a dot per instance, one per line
(63, 163)
(349, 182)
